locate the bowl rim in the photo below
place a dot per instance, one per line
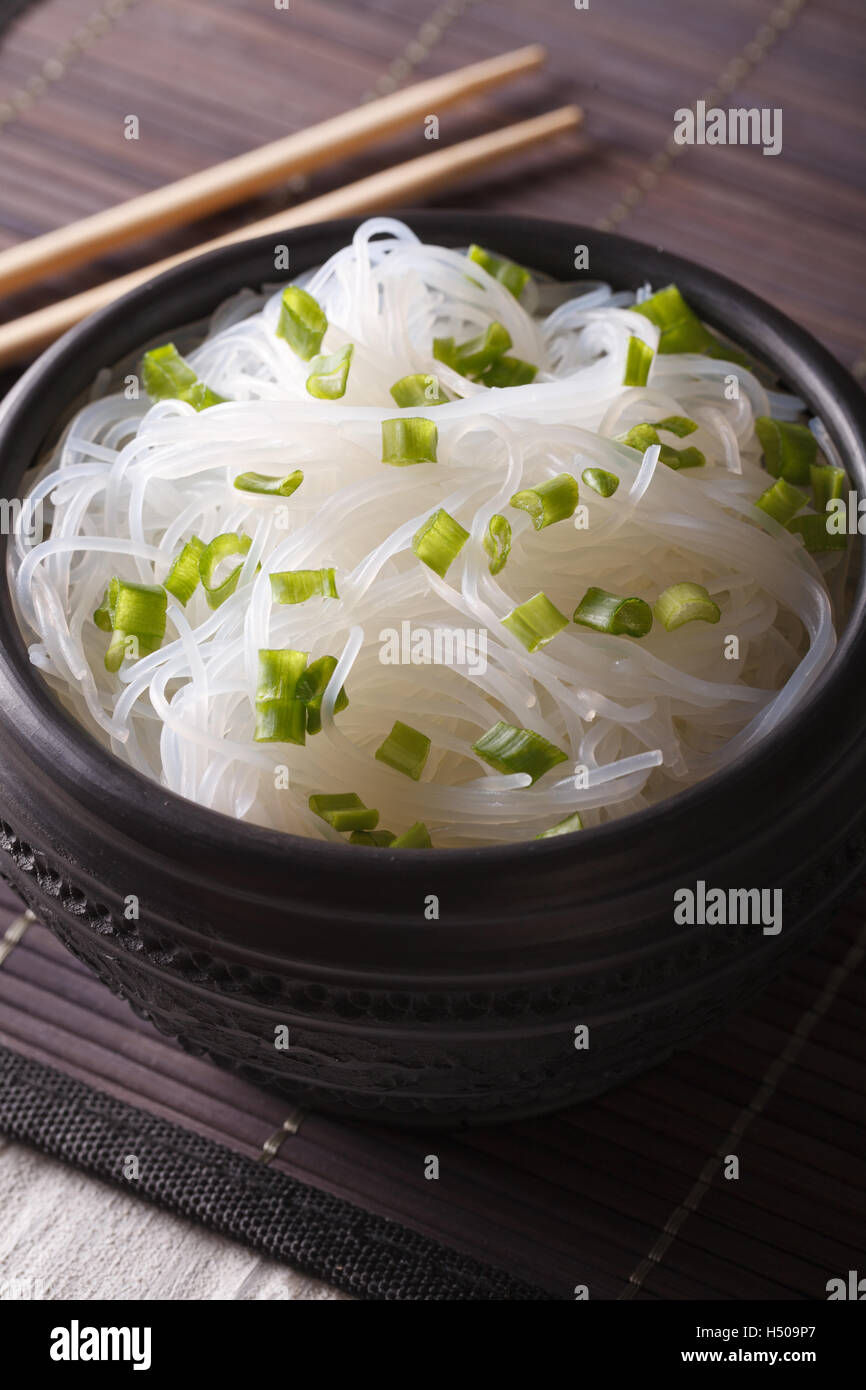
(162, 819)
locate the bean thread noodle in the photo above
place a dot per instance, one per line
(130, 482)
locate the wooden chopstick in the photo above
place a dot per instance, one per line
(236, 179)
(391, 188)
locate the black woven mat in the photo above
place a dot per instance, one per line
(315, 1233)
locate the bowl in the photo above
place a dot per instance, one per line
(556, 968)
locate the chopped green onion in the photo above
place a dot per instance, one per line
(476, 354)
(679, 425)
(268, 485)
(311, 689)
(382, 838)
(182, 579)
(637, 362)
(296, 586)
(606, 612)
(329, 374)
(497, 542)
(136, 613)
(781, 501)
(684, 603)
(419, 389)
(789, 450)
(344, 811)
(280, 712)
(563, 827)
(409, 439)
(416, 837)
(536, 622)
(102, 616)
(643, 437)
(511, 749)
(405, 749)
(168, 376)
(827, 485)
(508, 371)
(303, 323)
(229, 543)
(549, 502)
(511, 275)
(681, 329)
(439, 541)
(138, 610)
(602, 482)
(816, 535)
(445, 351)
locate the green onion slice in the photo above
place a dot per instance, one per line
(416, 837)
(136, 613)
(638, 361)
(280, 712)
(509, 371)
(420, 389)
(182, 579)
(497, 542)
(606, 612)
(644, 436)
(445, 350)
(827, 485)
(781, 501)
(409, 439)
(685, 603)
(535, 622)
(328, 375)
(563, 827)
(789, 450)
(602, 482)
(816, 535)
(477, 354)
(229, 543)
(168, 376)
(549, 502)
(268, 485)
(511, 275)
(439, 541)
(102, 616)
(303, 323)
(296, 586)
(311, 689)
(344, 811)
(681, 329)
(679, 425)
(511, 749)
(405, 749)
(382, 838)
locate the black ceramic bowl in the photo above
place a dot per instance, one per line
(472, 1017)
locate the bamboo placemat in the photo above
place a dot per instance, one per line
(626, 1194)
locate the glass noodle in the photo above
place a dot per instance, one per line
(636, 718)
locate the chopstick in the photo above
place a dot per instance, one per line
(390, 188)
(237, 179)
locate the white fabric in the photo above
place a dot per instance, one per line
(66, 1235)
